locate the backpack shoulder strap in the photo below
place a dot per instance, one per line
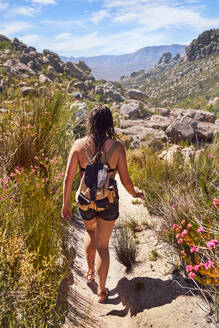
(88, 152)
(111, 150)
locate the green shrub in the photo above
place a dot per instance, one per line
(125, 247)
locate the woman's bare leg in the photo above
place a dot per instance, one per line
(103, 233)
(90, 243)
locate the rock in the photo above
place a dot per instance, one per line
(21, 84)
(200, 115)
(2, 85)
(108, 93)
(82, 65)
(206, 131)
(136, 94)
(50, 54)
(44, 79)
(182, 129)
(112, 95)
(15, 67)
(28, 91)
(3, 110)
(147, 136)
(124, 124)
(45, 60)
(88, 85)
(4, 38)
(158, 122)
(131, 110)
(69, 87)
(159, 111)
(25, 59)
(80, 85)
(74, 71)
(175, 151)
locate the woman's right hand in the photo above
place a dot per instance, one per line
(66, 212)
(140, 195)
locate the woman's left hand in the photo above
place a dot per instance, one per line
(66, 212)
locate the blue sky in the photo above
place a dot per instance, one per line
(95, 27)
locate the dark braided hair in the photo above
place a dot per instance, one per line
(100, 125)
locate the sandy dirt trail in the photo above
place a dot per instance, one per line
(146, 297)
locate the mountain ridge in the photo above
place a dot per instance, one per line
(112, 67)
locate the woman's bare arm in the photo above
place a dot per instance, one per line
(124, 175)
(70, 172)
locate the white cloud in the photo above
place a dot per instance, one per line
(45, 2)
(3, 6)
(98, 16)
(31, 39)
(14, 27)
(158, 14)
(23, 11)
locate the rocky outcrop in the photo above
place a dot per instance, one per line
(131, 110)
(136, 94)
(182, 129)
(206, 44)
(47, 66)
(28, 91)
(178, 125)
(108, 93)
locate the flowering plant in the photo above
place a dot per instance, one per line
(199, 252)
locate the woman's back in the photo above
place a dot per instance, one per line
(82, 157)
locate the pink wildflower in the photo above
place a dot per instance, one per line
(189, 225)
(212, 243)
(216, 201)
(184, 233)
(200, 229)
(180, 241)
(180, 227)
(178, 236)
(189, 268)
(201, 264)
(192, 275)
(210, 264)
(183, 222)
(174, 226)
(194, 249)
(196, 267)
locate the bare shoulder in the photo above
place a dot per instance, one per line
(79, 143)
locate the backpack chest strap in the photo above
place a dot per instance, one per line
(107, 156)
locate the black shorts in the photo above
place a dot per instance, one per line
(110, 214)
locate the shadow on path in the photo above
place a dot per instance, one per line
(142, 293)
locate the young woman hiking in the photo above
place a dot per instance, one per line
(100, 135)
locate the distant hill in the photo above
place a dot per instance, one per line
(189, 81)
(112, 67)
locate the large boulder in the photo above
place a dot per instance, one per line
(144, 136)
(15, 67)
(158, 122)
(159, 111)
(28, 91)
(175, 151)
(74, 71)
(4, 38)
(44, 79)
(108, 93)
(82, 65)
(131, 110)
(124, 124)
(136, 94)
(182, 129)
(206, 131)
